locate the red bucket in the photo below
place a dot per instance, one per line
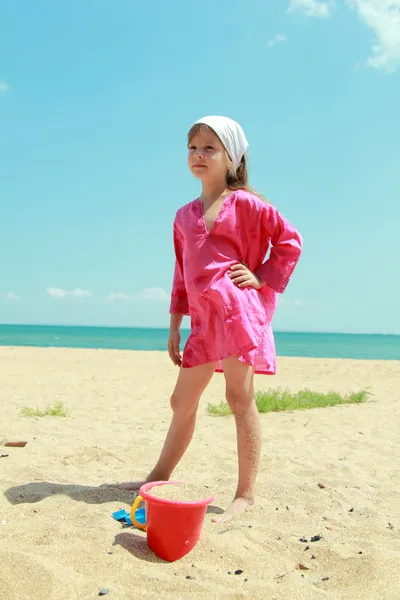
(173, 528)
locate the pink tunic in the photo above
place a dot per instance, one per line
(227, 320)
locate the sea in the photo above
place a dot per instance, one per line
(313, 345)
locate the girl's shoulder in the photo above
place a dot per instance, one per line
(185, 209)
(249, 200)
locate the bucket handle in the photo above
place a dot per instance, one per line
(135, 505)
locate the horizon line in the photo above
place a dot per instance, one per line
(165, 328)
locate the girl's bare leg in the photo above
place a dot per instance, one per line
(240, 397)
(189, 387)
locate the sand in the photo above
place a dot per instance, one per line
(58, 539)
(186, 492)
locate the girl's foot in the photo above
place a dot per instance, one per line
(238, 506)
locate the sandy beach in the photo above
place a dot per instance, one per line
(59, 541)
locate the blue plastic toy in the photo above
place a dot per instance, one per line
(124, 517)
(140, 516)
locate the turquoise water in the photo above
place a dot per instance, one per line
(316, 345)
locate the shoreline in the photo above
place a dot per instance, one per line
(311, 345)
(165, 352)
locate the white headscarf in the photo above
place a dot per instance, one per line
(231, 135)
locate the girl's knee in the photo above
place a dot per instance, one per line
(183, 404)
(239, 400)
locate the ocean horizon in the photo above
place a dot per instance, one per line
(301, 344)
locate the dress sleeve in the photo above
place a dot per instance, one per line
(179, 301)
(285, 252)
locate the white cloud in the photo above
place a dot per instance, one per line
(12, 296)
(56, 292)
(383, 17)
(145, 295)
(78, 293)
(4, 86)
(313, 8)
(279, 38)
(117, 296)
(59, 293)
(153, 294)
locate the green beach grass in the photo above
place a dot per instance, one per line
(281, 399)
(58, 410)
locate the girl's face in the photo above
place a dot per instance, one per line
(207, 157)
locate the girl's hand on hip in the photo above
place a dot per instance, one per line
(243, 277)
(173, 348)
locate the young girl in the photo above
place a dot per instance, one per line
(222, 282)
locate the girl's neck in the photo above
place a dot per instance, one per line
(213, 191)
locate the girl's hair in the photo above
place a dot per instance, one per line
(235, 179)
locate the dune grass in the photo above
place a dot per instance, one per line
(281, 399)
(57, 410)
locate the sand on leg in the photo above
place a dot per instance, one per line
(189, 387)
(240, 397)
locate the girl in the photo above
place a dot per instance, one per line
(222, 282)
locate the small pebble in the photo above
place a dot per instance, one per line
(325, 578)
(360, 552)
(306, 548)
(304, 540)
(104, 591)
(189, 577)
(246, 579)
(110, 552)
(238, 572)
(351, 510)
(316, 538)
(313, 557)
(321, 485)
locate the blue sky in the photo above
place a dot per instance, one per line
(96, 97)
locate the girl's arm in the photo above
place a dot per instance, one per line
(286, 242)
(179, 302)
(176, 322)
(174, 340)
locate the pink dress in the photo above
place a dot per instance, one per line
(227, 320)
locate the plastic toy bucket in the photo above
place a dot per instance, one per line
(173, 528)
